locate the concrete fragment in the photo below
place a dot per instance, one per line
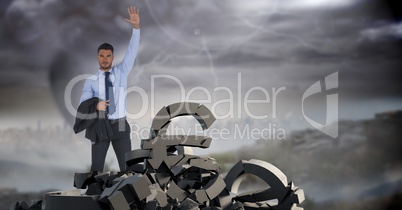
(161, 118)
(204, 164)
(233, 175)
(214, 187)
(118, 201)
(267, 172)
(82, 180)
(175, 192)
(204, 117)
(183, 150)
(94, 189)
(188, 204)
(137, 156)
(182, 108)
(201, 196)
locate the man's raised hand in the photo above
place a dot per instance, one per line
(134, 17)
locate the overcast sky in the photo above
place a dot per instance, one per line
(230, 45)
(209, 51)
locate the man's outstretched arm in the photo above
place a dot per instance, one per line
(128, 61)
(134, 17)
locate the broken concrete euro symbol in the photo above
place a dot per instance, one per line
(165, 174)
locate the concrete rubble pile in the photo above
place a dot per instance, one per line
(164, 174)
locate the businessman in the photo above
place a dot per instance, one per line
(104, 94)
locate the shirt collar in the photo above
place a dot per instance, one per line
(103, 72)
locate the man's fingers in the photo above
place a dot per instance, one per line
(133, 10)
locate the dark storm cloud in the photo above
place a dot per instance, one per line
(390, 31)
(300, 44)
(292, 43)
(35, 32)
(311, 47)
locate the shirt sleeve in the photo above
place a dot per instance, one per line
(128, 60)
(87, 91)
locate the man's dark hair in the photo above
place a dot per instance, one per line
(105, 46)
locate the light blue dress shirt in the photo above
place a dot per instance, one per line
(95, 85)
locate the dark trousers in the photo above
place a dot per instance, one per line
(121, 145)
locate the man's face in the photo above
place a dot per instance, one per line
(105, 59)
